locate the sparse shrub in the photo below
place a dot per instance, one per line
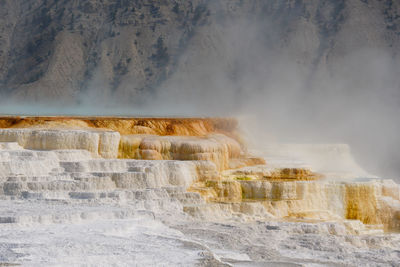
(161, 57)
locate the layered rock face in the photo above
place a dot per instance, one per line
(53, 173)
(210, 163)
(188, 139)
(126, 126)
(99, 143)
(219, 149)
(371, 201)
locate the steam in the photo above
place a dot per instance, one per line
(284, 96)
(257, 70)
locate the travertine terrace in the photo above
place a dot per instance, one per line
(179, 181)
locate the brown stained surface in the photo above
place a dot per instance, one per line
(226, 191)
(291, 174)
(213, 139)
(361, 203)
(126, 125)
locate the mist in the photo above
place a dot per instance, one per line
(281, 84)
(284, 95)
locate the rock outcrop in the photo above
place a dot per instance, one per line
(219, 149)
(99, 143)
(365, 200)
(129, 125)
(216, 140)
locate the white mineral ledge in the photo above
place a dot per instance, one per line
(66, 200)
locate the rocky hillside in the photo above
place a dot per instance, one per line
(325, 70)
(52, 49)
(55, 48)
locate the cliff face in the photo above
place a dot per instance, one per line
(52, 49)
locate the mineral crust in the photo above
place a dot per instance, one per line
(75, 174)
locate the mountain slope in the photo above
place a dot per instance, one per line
(52, 49)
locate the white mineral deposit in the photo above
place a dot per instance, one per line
(68, 199)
